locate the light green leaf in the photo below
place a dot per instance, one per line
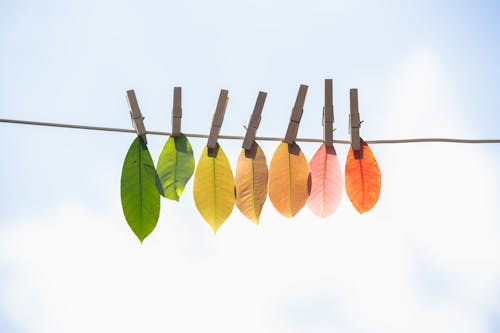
(175, 166)
(139, 194)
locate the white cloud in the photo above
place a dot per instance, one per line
(425, 259)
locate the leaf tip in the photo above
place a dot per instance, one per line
(362, 209)
(171, 196)
(178, 193)
(141, 236)
(214, 229)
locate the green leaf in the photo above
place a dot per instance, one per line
(175, 166)
(139, 194)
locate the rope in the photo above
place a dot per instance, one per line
(237, 137)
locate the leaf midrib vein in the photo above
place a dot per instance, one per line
(289, 184)
(214, 189)
(253, 188)
(140, 189)
(325, 161)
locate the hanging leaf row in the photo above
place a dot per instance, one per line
(290, 180)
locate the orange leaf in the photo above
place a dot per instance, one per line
(362, 178)
(326, 182)
(288, 179)
(251, 182)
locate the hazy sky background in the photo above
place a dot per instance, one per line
(425, 259)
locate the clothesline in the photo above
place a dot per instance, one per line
(237, 137)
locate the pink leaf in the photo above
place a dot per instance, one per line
(326, 182)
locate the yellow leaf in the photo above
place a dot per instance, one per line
(289, 183)
(251, 182)
(213, 187)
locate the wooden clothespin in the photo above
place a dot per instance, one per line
(254, 121)
(177, 112)
(136, 115)
(217, 119)
(328, 113)
(298, 109)
(355, 123)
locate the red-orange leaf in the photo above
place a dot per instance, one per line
(362, 178)
(326, 182)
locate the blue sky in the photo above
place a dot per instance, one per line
(424, 259)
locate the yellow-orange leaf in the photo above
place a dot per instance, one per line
(213, 187)
(289, 179)
(362, 178)
(251, 182)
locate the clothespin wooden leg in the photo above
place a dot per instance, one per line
(298, 109)
(328, 114)
(253, 124)
(217, 120)
(177, 112)
(354, 120)
(136, 115)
